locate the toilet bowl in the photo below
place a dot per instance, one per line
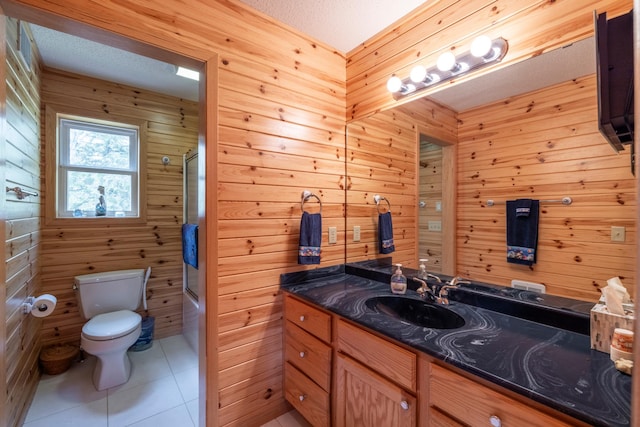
(108, 300)
(108, 336)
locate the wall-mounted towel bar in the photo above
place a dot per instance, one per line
(20, 193)
(378, 198)
(565, 201)
(306, 195)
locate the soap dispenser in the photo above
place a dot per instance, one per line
(422, 274)
(398, 281)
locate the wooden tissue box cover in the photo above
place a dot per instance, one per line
(602, 325)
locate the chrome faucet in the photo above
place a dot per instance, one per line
(443, 295)
(424, 289)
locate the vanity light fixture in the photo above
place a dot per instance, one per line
(482, 53)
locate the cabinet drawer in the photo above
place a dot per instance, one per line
(310, 319)
(308, 398)
(309, 354)
(390, 360)
(474, 404)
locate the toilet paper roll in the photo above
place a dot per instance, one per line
(44, 305)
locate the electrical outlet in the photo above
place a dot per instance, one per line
(356, 233)
(617, 234)
(435, 225)
(333, 235)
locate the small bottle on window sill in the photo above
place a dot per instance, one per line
(101, 207)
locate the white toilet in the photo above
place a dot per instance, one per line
(107, 300)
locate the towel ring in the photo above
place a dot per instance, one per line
(306, 195)
(377, 198)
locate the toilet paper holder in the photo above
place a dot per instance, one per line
(30, 304)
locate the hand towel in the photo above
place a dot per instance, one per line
(310, 238)
(385, 233)
(522, 231)
(190, 244)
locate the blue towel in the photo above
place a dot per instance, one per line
(310, 238)
(190, 244)
(522, 231)
(385, 233)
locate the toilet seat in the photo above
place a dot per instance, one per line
(109, 326)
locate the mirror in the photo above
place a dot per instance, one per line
(526, 131)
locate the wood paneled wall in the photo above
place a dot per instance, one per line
(381, 159)
(430, 178)
(531, 28)
(23, 239)
(546, 145)
(281, 108)
(75, 247)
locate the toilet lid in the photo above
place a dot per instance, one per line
(112, 325)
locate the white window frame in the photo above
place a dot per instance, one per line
(64, 124)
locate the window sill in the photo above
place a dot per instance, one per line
(95, 222)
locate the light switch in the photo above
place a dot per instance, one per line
(617, 234)
(333, 235)
(438, 206)
(356, 233)
(435, 225)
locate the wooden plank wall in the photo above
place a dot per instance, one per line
(23, 238)
(281, 109)
(75, 247)
(430, 176)
(381, 159)
(546, 145)
(531, 28)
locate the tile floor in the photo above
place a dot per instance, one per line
(161, 392)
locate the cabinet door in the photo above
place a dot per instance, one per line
(365, 399)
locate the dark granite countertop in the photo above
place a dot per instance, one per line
(549, 363)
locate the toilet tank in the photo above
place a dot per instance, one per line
(109, 291)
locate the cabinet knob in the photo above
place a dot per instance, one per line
(404, 405)
(302, 397)
(302, 318)
(302, 354)
(495, 421)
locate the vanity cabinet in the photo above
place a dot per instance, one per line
(307, 361)
(337, 373)
(375, 380)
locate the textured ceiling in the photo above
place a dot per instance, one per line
(342, 24)
(80, 56)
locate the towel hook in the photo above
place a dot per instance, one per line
(20, 193)
(306, 195)
(377, 198)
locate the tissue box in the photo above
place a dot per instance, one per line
(602, 325)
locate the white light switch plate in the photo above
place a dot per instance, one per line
(356, 233)
(333, 235)
(435, 226)
(617, 234)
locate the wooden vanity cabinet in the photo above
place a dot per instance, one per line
(375, 381)
(307, 357)
(379, 383)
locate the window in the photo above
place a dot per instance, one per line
(98, 171)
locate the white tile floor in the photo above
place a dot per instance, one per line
(161, 392)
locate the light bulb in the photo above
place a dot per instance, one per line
(481, 46)
(418, 74)
(394, 84)
(446, 61)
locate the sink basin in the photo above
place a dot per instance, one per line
(415, 311)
